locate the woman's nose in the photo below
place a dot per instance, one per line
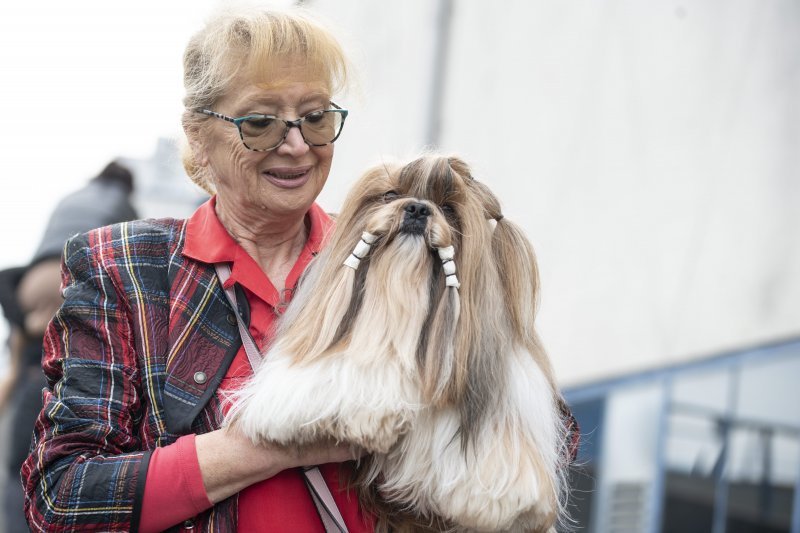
(293, 143)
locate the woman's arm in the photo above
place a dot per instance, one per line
(87, 468)
(176, 483)
(174, 490)
(229, 461)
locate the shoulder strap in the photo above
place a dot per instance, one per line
(320, 493)
(323, 500)
(250, 348)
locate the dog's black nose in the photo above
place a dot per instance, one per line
(417, 210)
(415, 219)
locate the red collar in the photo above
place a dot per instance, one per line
(208, 241)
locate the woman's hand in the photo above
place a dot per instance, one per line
(229, 461)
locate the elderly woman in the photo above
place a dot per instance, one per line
(145, 348)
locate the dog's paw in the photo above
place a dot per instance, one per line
(478, 510)
(375, 429)
(498, 482)
(493, 497)
(299, 404)
(280, 404)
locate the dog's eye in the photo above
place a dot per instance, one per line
(389, 196)
(448, 210)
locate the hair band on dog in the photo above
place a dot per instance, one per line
(361, 250)
(446, 254)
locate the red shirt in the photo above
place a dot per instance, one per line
(281, 503)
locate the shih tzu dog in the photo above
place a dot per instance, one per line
(412, 337)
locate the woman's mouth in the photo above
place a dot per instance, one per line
(288, 178)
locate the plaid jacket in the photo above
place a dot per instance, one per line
(138, 322)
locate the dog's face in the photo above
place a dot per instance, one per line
(426, 199)
(431, 201)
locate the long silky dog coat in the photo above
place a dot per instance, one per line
(412, 336)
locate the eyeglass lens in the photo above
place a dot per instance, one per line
(265, 133)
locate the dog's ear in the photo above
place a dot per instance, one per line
(520, 275)
(376, 181)
(520, 278)
(460, 167)
(520, 283)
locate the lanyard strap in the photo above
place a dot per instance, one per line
(323, 500)
(320, 493)
(223, 273)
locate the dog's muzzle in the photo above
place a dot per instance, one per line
(415, 219)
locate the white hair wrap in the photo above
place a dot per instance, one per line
(446, 254)
(361, 250)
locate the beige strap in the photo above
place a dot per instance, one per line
(320, 493)
(250, 348)
(323, 499)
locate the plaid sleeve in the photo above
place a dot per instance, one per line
(86, 469)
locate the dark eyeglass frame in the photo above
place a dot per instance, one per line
(289, 125)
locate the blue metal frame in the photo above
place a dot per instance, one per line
(796, 505)
(720, 516)
(766, 352)
(657, 494)
(734, 361)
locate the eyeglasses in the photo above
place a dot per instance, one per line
(262, 133)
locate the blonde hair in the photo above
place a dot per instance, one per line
(254, 40)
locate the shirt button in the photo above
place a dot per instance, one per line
(200, 377)
(231, 319)
(188, 524)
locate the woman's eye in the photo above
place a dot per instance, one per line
(258, 123)
(389, 196)
(314, 117)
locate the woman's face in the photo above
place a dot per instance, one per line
(284, 181)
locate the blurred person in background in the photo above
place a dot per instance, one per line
(30, 297)
(146, 347)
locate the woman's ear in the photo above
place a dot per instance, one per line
(194, 156)
(197, 147)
